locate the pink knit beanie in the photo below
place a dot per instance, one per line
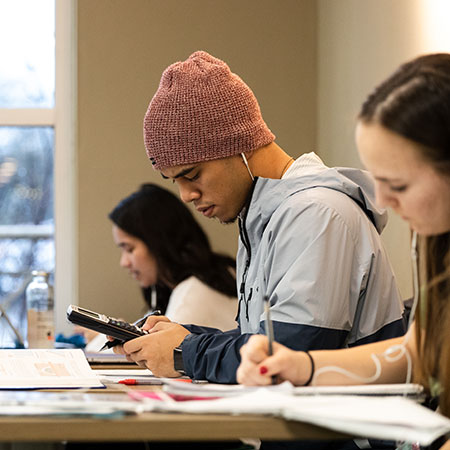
(200, 112)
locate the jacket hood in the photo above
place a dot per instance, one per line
(355, 183)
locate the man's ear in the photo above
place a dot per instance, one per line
(249, 153)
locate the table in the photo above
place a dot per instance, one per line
(158, 427)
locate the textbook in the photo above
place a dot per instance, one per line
(46, 368)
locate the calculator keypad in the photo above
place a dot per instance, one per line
(127, 326)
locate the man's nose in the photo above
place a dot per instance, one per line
(187, 193)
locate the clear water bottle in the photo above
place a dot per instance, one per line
(40, 304)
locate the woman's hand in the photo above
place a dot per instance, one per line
(257, 367)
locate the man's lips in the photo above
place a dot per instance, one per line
(206, 210)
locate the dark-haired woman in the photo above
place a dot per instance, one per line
(167, 252)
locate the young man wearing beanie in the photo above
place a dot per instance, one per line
(309, 234)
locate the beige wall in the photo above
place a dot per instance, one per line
(310, 63)
(123, 46)
(360, 43)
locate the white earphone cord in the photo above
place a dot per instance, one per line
(246, 165)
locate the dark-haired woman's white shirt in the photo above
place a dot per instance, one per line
(194, 302)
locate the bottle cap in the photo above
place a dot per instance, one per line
(39, 273)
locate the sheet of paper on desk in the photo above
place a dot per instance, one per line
(229, 390)
(407, 389)
(72, 403)
(215, 390)
(393, 418)
(144, 376)
(46, 368)
(106, 358)
(123, 372)
(139, 375)
(390, 417)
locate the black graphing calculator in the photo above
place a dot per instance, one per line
(118, 329)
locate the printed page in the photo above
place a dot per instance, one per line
(45, 368)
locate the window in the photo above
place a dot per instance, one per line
(36, 152)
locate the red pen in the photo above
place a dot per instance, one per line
(136, 381)
(155, 380)
(163, 396)
(128, 382)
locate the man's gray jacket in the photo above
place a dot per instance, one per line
(310, 244)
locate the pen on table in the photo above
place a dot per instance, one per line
(138, 323)
(137, 381)
(154, 380)
(269, 331)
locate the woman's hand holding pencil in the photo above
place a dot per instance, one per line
(258, 367)
(264, 361)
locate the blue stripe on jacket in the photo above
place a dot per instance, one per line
(213, 355)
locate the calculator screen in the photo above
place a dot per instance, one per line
(89, 313)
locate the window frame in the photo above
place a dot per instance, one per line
(63, 118)
(66, 218)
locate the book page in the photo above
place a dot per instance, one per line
(45, 368)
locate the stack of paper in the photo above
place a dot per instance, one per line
(128, 376)
(107, 358)
(19, 403)
(392, 418)
(215, 390)
(410, 390)
(46, 368)
(379, 417)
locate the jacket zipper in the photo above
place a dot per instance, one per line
(246, 242)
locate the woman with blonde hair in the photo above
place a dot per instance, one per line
(403, 138)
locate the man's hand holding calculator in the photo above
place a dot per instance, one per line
(155, 350)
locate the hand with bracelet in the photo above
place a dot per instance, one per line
(257, 367)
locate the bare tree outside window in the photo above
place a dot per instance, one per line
(27, 82)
